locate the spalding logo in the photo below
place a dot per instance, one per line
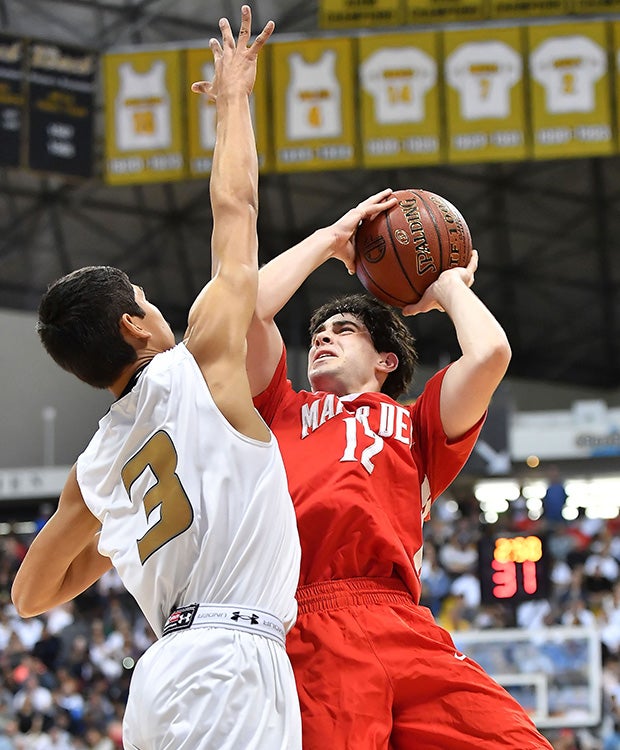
(401, 236)
(374, 250)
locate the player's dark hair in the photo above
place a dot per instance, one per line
(387, 331)
(79, 323)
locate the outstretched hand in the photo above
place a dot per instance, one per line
(235, 62)
(430, 298)
(343, 230)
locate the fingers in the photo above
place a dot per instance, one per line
(227, 36)
(202, 87)
(263, 36)
(246, 26)
(472, 266)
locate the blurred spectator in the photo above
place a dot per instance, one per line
(459, 554)
(554, 499)
(600, 570)
(577, 615)
(435, 581)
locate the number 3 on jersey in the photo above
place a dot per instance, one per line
(176, 512)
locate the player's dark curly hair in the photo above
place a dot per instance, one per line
(78, 324)
(387, 331)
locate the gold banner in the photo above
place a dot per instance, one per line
(399, 95)
(314, 109)
(201, 113)
(570, 90)
(144, 117)
(485, 95)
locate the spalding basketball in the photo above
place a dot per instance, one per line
(402, 251)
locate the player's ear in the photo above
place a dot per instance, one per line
(131, 330)
(388, 361)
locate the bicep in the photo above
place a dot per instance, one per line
(264, 352)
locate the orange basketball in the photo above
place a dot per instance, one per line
(402, 251)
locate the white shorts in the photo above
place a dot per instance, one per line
(213, 688)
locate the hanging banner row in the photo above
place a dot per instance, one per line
(47, 106)
(382, 100)
(347, 14)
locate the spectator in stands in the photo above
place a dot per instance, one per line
(554, 499)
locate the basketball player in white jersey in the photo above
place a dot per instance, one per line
(182, 488)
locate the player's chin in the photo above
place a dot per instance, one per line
(320, 376)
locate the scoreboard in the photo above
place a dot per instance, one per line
(513, 568)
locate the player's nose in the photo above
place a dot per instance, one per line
(322, 337)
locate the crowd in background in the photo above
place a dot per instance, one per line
(65, 674)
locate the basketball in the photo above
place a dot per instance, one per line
(402, 251)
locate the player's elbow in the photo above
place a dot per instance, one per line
(25, 605)
(498, 355)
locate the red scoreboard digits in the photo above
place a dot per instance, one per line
(512, 568)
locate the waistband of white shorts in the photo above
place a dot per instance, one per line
(230, 616)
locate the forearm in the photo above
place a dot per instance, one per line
(63, 579)
(234, 174)
(479, 334)
(470, 382)
(279, 279)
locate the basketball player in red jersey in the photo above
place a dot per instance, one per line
(373, 670)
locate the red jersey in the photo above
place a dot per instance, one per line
(363, 471)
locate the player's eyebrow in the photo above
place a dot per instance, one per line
(339, 324)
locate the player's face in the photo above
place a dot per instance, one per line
(342, 358)
(162, 337)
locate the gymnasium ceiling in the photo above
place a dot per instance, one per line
(548, 233)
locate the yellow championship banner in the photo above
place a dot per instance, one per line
(313, 105)
(201, 112)
(143, 102)
(444, 11)
(485, 95)
(570, 90)
(346, 14)
(399, 98)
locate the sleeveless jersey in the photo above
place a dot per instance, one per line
(191, 510)
(363, 471)
(313, 98)
(142, 109)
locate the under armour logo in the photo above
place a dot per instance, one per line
(236, 616)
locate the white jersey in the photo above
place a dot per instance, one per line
(313, 98)
(568, 68)
(142, 109)
(196, 517)
(192, 511)
(484, 73)
(398, 79)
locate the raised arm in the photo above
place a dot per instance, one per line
(66, 550)
(219, 318)
(472, 379)
(279, 279)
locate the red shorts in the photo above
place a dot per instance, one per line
(374, 671)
